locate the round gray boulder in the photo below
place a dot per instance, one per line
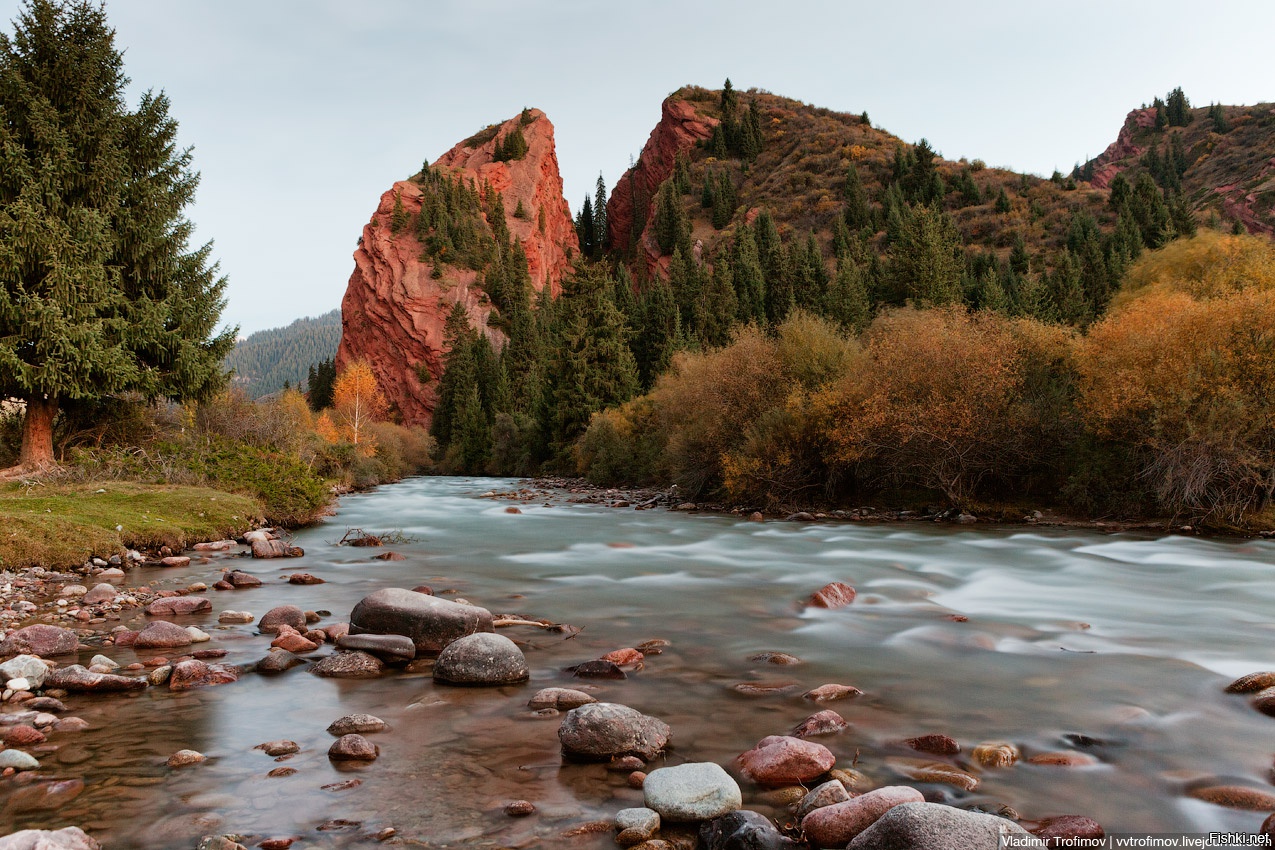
(691, 792)
(481, 659)
(605, 730)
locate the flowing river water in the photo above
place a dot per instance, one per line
(1115, 645)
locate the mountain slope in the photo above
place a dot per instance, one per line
(267, 359)
(1221, 157)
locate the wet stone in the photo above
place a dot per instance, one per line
(392, 649)
(162, 635)
(597, 669)
(281, 615)
(481, 659)
(231, 617)
(826, 722)
(349, 665)
(520, 808)
(183, 758)
(938, 745)
(743, 830)
(353, 747)
(40, 639)
(695, 791)
(604, 730)
(785, 760)
(356, 723)
(199, 674)
(430, 622)
(937, 827)
(279, 748)
(178, 605)
(563, 699)
(827, 794)
(277, 661)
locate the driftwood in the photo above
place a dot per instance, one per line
(359, 537)
(563, 628)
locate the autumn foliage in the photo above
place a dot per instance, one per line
(1164, 407)
(357, 402)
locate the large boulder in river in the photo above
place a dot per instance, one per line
(430, 622)
(40, 639)
(481, 659)
(605, 730)
(937, 827)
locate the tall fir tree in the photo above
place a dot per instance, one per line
(601, 239)
(101, 293)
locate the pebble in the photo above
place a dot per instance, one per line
(827, 794)
(825, 722)
(563, 699)
(1230, 796)
(520, 808)
(182, 758)
(22, 736)
(1252, 683)
(833, 595)
(279, 748)
(17, 760)
(349, 665)
(1064, 759)
(235, 617)
(353, 747)
(938, 745)
(1068, 827)
(282, 771)
(277, 661)
(356, 723)
(996, 754)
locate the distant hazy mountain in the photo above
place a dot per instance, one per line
(267, 359)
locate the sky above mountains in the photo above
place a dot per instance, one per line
(302, 112)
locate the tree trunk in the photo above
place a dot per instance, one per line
(37, 433)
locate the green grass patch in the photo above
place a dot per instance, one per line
(62, 525)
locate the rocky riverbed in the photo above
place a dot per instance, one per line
(488, 715)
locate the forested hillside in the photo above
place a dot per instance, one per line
(790, 306)
(267, 360)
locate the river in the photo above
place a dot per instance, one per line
(1115, 645)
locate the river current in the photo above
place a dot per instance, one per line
(1118, 646)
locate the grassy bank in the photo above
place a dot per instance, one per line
(58, 525)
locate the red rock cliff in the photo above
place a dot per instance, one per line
(394, 308)
(1111, 161)
(680, 127)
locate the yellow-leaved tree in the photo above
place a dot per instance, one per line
(357, 402)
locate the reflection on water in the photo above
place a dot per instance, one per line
(1127, 640)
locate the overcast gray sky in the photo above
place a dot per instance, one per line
(302, 112)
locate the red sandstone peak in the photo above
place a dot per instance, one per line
(680, 127)
(396, 303)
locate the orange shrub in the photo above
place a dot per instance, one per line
(1188, 383)
(951, 401)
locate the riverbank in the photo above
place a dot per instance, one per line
(60, 526)
(581, 491)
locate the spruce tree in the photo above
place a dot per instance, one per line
(591, 366)
(101, 294)
(847, 298)
(719, 307)
(1002, 201)
(858, 212)
(1178, 108)
(926, 263)
(585, 232)
(671, 226)
(750, 285)
(601, 240)
(658, 334)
